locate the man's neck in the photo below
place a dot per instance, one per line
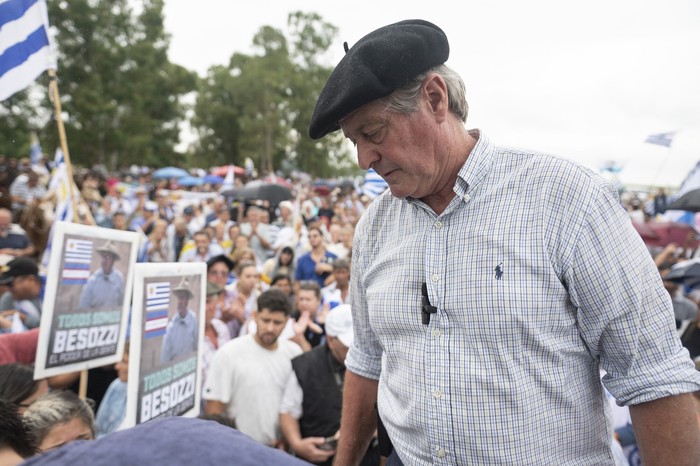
(271, 347)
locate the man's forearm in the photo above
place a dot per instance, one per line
(667, 431)
(359, 419)
(290, 429)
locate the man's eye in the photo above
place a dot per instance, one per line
(375, 135)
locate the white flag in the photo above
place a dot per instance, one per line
(25, 47)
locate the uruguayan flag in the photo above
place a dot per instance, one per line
(374, 184)
(25, 48)
(157, 304)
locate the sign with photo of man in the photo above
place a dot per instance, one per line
(86, 302)
(167, 337)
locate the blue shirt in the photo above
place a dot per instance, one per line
(539, 280)
(306, 268)
(180, 336)
(110, 414)
(103, 291)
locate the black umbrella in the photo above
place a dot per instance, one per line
(689, 201)
(255, 191)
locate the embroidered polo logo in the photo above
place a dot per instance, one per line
(499, 271)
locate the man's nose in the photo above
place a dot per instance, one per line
(366, 156)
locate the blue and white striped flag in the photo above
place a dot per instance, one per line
(157, 304)
(58, 184)
(374, 184)
(25, 47)
(78, 257)
(661, 139)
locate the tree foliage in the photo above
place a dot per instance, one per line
(260, 105)
(119, 92)
(122, 97)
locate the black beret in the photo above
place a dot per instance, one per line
(381, 62)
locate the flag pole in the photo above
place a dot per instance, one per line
(53, 85)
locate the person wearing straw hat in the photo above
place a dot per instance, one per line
(181, 334)
(105, 287)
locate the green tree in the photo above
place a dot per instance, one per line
(120, 93)
(260, 105)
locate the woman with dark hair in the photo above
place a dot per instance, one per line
(18, 387)
(281, 264)
(16, 441)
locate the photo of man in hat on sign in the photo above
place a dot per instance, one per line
(105, 287)
(181, 334)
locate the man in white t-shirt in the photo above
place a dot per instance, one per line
(247, 376)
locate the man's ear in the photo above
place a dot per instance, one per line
(435, 92)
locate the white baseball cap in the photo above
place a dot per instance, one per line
(339, 324)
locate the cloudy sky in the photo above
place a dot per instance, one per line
(585, 80)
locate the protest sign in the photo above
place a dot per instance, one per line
(167, 338)
(86, 302)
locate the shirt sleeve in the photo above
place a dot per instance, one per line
(625, 314)
(292, 398)
(365, 355)
(219, 379)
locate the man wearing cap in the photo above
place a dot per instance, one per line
(24, 295)
(490, 286)
(181, 334)
(313, 395)
(105, 287)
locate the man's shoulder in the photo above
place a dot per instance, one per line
(290, 348)
(242, 343)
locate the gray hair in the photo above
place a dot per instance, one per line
(405, 99)
(57, 407)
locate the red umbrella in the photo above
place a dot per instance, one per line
(661, 234)
(223, 170)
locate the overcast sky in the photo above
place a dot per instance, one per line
(585, 80)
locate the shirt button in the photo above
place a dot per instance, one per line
(441, 453)
(437, 394)
(437, 332)
(438, 224)
(435, 278)
(466, 198)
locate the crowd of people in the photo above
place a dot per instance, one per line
(492, 309)
(278, 277)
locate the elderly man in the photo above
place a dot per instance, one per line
(181, 336)
(13, 239)
(258, 233)
(490, 286)
(105, 287)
